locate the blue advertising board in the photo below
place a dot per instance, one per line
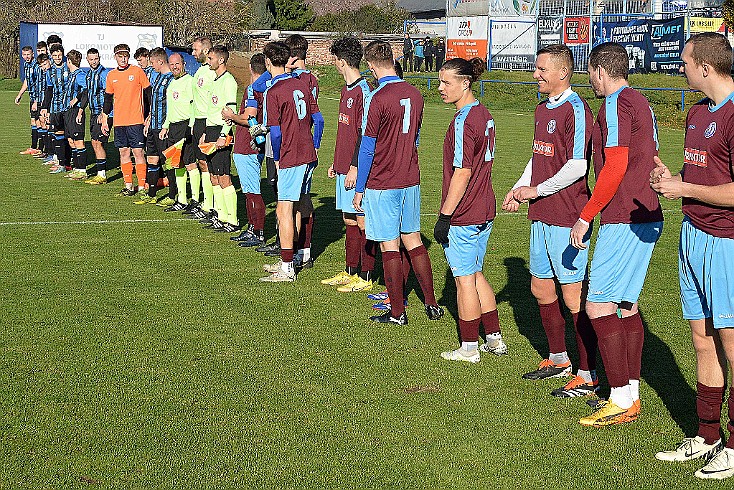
(652, 45)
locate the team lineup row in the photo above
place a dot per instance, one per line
(187, 122)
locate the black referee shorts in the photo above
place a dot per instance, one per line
(219, 162)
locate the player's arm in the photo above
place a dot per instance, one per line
(22, 90)
(318, 122)
(673, 187)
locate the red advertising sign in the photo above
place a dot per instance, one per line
(576, 30)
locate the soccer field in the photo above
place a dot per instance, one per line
(139, 350)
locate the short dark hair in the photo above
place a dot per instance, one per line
(713, 49)
(92, 51)
(560, 53)
(257, 63)
(349, 49)
(42, 57)
(53, 39)
(75, 57)
(41, 44)
(379, 53)
(613, 58)
(298, 45)
(56, 47)
(220, 51)
(26, 49)
(140, 52)
(277, 52)
(206, 43)
(159, 54)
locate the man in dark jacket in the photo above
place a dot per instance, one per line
(407, 53)
(440, 53)
(428, 52)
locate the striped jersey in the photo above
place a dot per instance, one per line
(77, 83)
(29, 73)
(562, 133)
(469, 143)
(310, 79)
(57, 77)
(96, 81)
(158, 99)
(150, 73)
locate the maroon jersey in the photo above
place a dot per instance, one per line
(311, 81)
(469, 143)
(288, 103)
(562, 133)
(626, 119)
(242, 138)
(351, 110)
(708, 161)
(393, 116)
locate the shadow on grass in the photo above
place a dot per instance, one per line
(524, 307)
(661, 372)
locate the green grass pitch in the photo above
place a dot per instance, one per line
(138, 350)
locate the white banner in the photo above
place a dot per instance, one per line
(512, 41)
(104, 38)
(466, 37)
(494, 8)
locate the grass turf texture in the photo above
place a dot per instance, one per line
(146, 353)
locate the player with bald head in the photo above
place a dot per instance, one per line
(555, 186)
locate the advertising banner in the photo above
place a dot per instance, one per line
(100, 36)
(706, 24)
(550, 30)
(513, 43)
(576, 30)
(652, 45)
(501, 8)
(466, 37)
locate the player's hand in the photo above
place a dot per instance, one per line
(44, 112)
(162, 135)
(525, 193)
(201, 140)
(578, 232)
(510, 203)
(146, 126)
(254, 146)
(100, 119)
(221, 142)
(34, 107)
(79, 116)
(73, 102)
(227, 113)
(17, 100)
(257, 130)
(105, 128)
(330, 172)
(669, 188)
(659, 172)
(441, 229)
(350, 181)
(357, 202)
(291, 64)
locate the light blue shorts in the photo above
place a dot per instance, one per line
(467, 247)
(621, 257)
(344, 197)
(306, 187)
(706, 271)
(248, 169)
(291, 182)
(388, 213)
(552, 255)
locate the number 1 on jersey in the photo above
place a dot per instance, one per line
(406, 114)
(300, 104)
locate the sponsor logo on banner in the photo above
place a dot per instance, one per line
(344, 118)
(576, 30)
(543, 148)
(692, 156)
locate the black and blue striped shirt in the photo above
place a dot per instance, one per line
(29, 74)
(96, 82)
(77, 82)
(57, 77)
(158, 99)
